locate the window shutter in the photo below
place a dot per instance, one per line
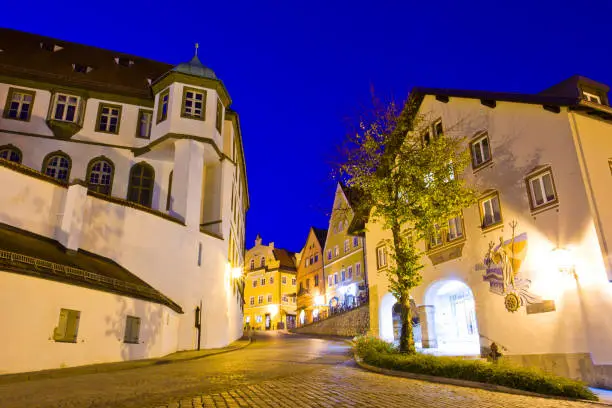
(136, 330)
(72, 327)
(60, 331)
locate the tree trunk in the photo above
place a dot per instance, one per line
(406, 336)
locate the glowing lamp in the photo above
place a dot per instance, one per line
(319, 300)
(564, 261)
(236, 273)
(273, 310)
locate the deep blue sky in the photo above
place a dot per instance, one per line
(299, 71)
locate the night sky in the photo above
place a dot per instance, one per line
(300, 73)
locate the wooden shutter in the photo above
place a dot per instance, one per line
(72, 325)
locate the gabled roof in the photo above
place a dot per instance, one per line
(23, 56)
(34, 255)
(321, 235)
(285, 257)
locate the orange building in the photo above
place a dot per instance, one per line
(310, 280)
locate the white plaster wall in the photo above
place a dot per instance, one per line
(30, 345)
(29, 203)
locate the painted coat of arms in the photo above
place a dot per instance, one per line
(502, 270)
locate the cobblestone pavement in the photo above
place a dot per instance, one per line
(276, 371)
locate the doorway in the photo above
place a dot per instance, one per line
(268, 321)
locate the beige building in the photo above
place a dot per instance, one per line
(343, 256)
(270, 287)
(529, 266)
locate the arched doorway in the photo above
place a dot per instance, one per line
(454, 313)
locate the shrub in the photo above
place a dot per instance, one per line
(381, 354)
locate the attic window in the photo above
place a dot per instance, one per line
(81, 68)
(591, 97)
(123, 61)
(47, 46)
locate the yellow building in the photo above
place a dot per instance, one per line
(270, 287)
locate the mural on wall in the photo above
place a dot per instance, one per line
(502, 271)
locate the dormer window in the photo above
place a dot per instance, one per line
(194, 103)
(123, 61)
(590, 97)
(49, 46)
(82, 68)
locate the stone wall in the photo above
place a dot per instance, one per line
(348, 324)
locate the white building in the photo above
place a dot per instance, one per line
(122, 207)
(529, 267)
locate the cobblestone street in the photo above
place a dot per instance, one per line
(275, 371)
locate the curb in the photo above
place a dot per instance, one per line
(135, 364)
(466, 383)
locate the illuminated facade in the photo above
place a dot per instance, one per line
(127, 178)
(529, 266)
(269, 291)
(311, 303)
(343, 255)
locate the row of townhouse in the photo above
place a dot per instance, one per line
(529, 267)
(123, 206)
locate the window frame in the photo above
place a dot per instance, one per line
(588, 96)
(293, 281)
(434, 129)
(269, 299)
(9, 99)
(67, 336)
(252, 301)
(145, 166)
(218, 116)
(141, 113)
(260, 299)
(132, 339)
(358, 269)
(160, 113)
(112, 174)
(51, 155)
(78, 113)
(109, 106)
(379, 265)
(347, 245)
(184, 99)
(483, 199)
(480, 136)
(539, 174)
(283, 280)
(11, 147)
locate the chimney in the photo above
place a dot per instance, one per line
(258, 240)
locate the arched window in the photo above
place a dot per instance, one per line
(11, 153)
(142, 179)
(100, 175)
(262, 263)
(57, 165)
(252, 264)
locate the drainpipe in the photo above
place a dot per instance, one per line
(198, 322)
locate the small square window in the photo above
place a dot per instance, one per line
(65, 108)
(481, 151)
(194, 103)
(541, 188)
(263, 281)
(269, 298)
(591, 97)
(163, 105)
(455, 228)
(293, 281)
(490, 211)
(437, 128)
(108, 118)
(381, 257)
(284, 280)
(68, 326)
(132, 330)
(219, 117)
(145, 118)
(260, 299)
(19, 104)
(252, 300)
